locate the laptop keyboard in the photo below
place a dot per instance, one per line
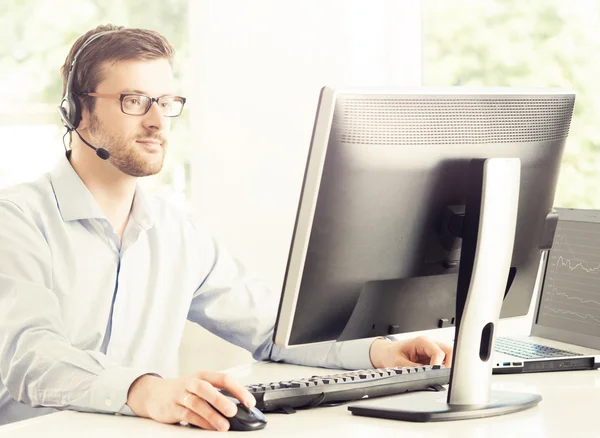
(526, 350)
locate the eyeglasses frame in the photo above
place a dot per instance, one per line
(122, 96)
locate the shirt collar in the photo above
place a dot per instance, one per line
(75, 201)
(140, 210)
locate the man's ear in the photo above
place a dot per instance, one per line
(84, 123)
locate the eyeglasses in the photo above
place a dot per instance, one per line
(139, 104)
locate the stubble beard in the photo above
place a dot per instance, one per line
(124, 154)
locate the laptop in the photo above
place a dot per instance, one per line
(565, 333)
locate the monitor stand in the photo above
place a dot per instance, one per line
(486, 253)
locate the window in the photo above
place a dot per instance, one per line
(473, 42)
(540, 43)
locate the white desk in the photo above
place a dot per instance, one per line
(570, 408)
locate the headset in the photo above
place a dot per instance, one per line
(69, 109)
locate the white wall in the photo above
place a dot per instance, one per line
(258, 67)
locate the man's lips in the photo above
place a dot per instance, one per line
(150, 141)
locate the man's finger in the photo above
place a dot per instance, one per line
(448, 351)
(437, 359)
(190, 417)
(205, 391)
(200, 407)
(224, 381)
(433, 351)
(408, 363)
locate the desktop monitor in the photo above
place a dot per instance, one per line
(373, 250)
(423, 208)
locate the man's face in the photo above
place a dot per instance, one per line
(137, 144)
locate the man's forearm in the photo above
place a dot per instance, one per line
(348, 355)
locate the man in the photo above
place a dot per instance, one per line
(97, 278)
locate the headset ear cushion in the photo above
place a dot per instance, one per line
(75, 110)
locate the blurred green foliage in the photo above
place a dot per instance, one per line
(534, 43)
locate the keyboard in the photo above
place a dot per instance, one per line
(286, 396)
(525, 350)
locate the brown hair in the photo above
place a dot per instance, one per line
(142, 44)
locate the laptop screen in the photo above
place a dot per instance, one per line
(570, 295)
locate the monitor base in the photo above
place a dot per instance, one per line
(430, 406)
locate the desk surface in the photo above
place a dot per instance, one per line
(570, 407)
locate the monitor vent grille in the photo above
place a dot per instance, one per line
(405, 121)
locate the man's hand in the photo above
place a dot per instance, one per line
(187, 399)
(412, 352)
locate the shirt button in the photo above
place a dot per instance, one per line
(108, 402)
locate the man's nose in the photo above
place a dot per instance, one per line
(154, 118)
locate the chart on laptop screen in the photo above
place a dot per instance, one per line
(571, 293)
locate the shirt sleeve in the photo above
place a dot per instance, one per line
(38, 364)
(241, 309)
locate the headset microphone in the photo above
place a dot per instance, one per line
(101, 152)
(69, 109)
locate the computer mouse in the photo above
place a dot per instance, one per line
(246, 419)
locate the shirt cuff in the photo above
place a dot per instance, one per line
(109, 391)
(355, 355)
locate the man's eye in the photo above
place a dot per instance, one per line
(132, 101)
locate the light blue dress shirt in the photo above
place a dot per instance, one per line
(82, 315)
